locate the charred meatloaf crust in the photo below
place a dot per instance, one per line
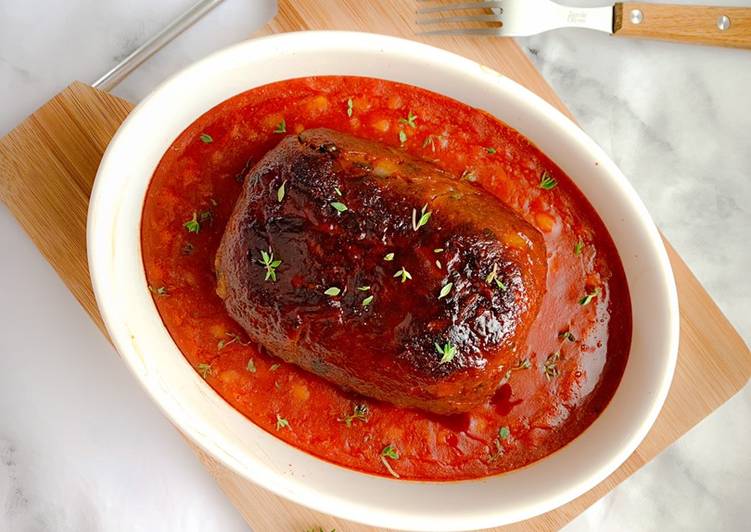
(380, 272)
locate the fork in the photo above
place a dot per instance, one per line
(718, 26)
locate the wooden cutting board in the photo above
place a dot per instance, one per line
(48, 164)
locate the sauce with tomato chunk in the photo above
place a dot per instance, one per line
(577, 347)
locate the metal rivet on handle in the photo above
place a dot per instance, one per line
(636, 16)
(723, 23)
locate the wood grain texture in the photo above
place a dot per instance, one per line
(47, 167)
(683, 23)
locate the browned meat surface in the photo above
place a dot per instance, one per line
(438, 337)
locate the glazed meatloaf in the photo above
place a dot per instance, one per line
(380, 272)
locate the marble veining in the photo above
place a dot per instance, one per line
(83, 449)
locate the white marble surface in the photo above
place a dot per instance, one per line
(83, 449)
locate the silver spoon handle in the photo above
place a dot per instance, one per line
(154, 44)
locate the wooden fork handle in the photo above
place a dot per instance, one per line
(717, 26)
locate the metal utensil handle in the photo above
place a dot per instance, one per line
(154, 44)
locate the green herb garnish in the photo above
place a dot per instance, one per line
(333, 291)
(504, 433)
(429, 142)
(578, 247)
(367, 301)
(589, 296)
(233, 338)
(424, 217)
(566, 335)
(551, 365)
(192, 225)
(350, 107)
(402, 136)
(337, 191)
(492, 278)
(281, 127)
(438, 264)
(205, 370)
(547, 182)
(267, 260)
(404, 274)
(410, 120)
(251, 366)
(491, 151)
(281, 191)
(359, 413)
(161, 291)
(274, 367)
(388, 257)
(469, 175)
(438, 250)
(522, 364)
(389, 452)
(447, 352)
(281, 423)
(339, 206)
(445, 290)
(363, 288)
(206, 138)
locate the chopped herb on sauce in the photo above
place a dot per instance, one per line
(350, 107)
(205, 370)
(251, 365)
(337, 191)
(566, 335)
(192, 225)
(389, 452)
(469, 175)
(504, 433)
(447, 352)
(333, 291)
(491, 151)
(281, 423)
(161, 291)
(438, 264)
(267, 260)
(404, 274)
(410, 120)
(281, 127)
(367, 301)
(233, 338)
(522, 364)
(424, 217)
(438, 250)
(339, 206)
(281, 191)
(402, 136)
(363, 288)
(388, 257)
(206, 138)
(445, 290)
(589, 296)
(492, 277)
(274, 367)
(429, 141)
(547, 182)
(551, 365)
(359, 413)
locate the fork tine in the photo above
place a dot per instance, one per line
(475, 18)
(498, 32)
(454, 7)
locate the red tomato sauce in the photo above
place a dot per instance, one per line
(577, 348)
